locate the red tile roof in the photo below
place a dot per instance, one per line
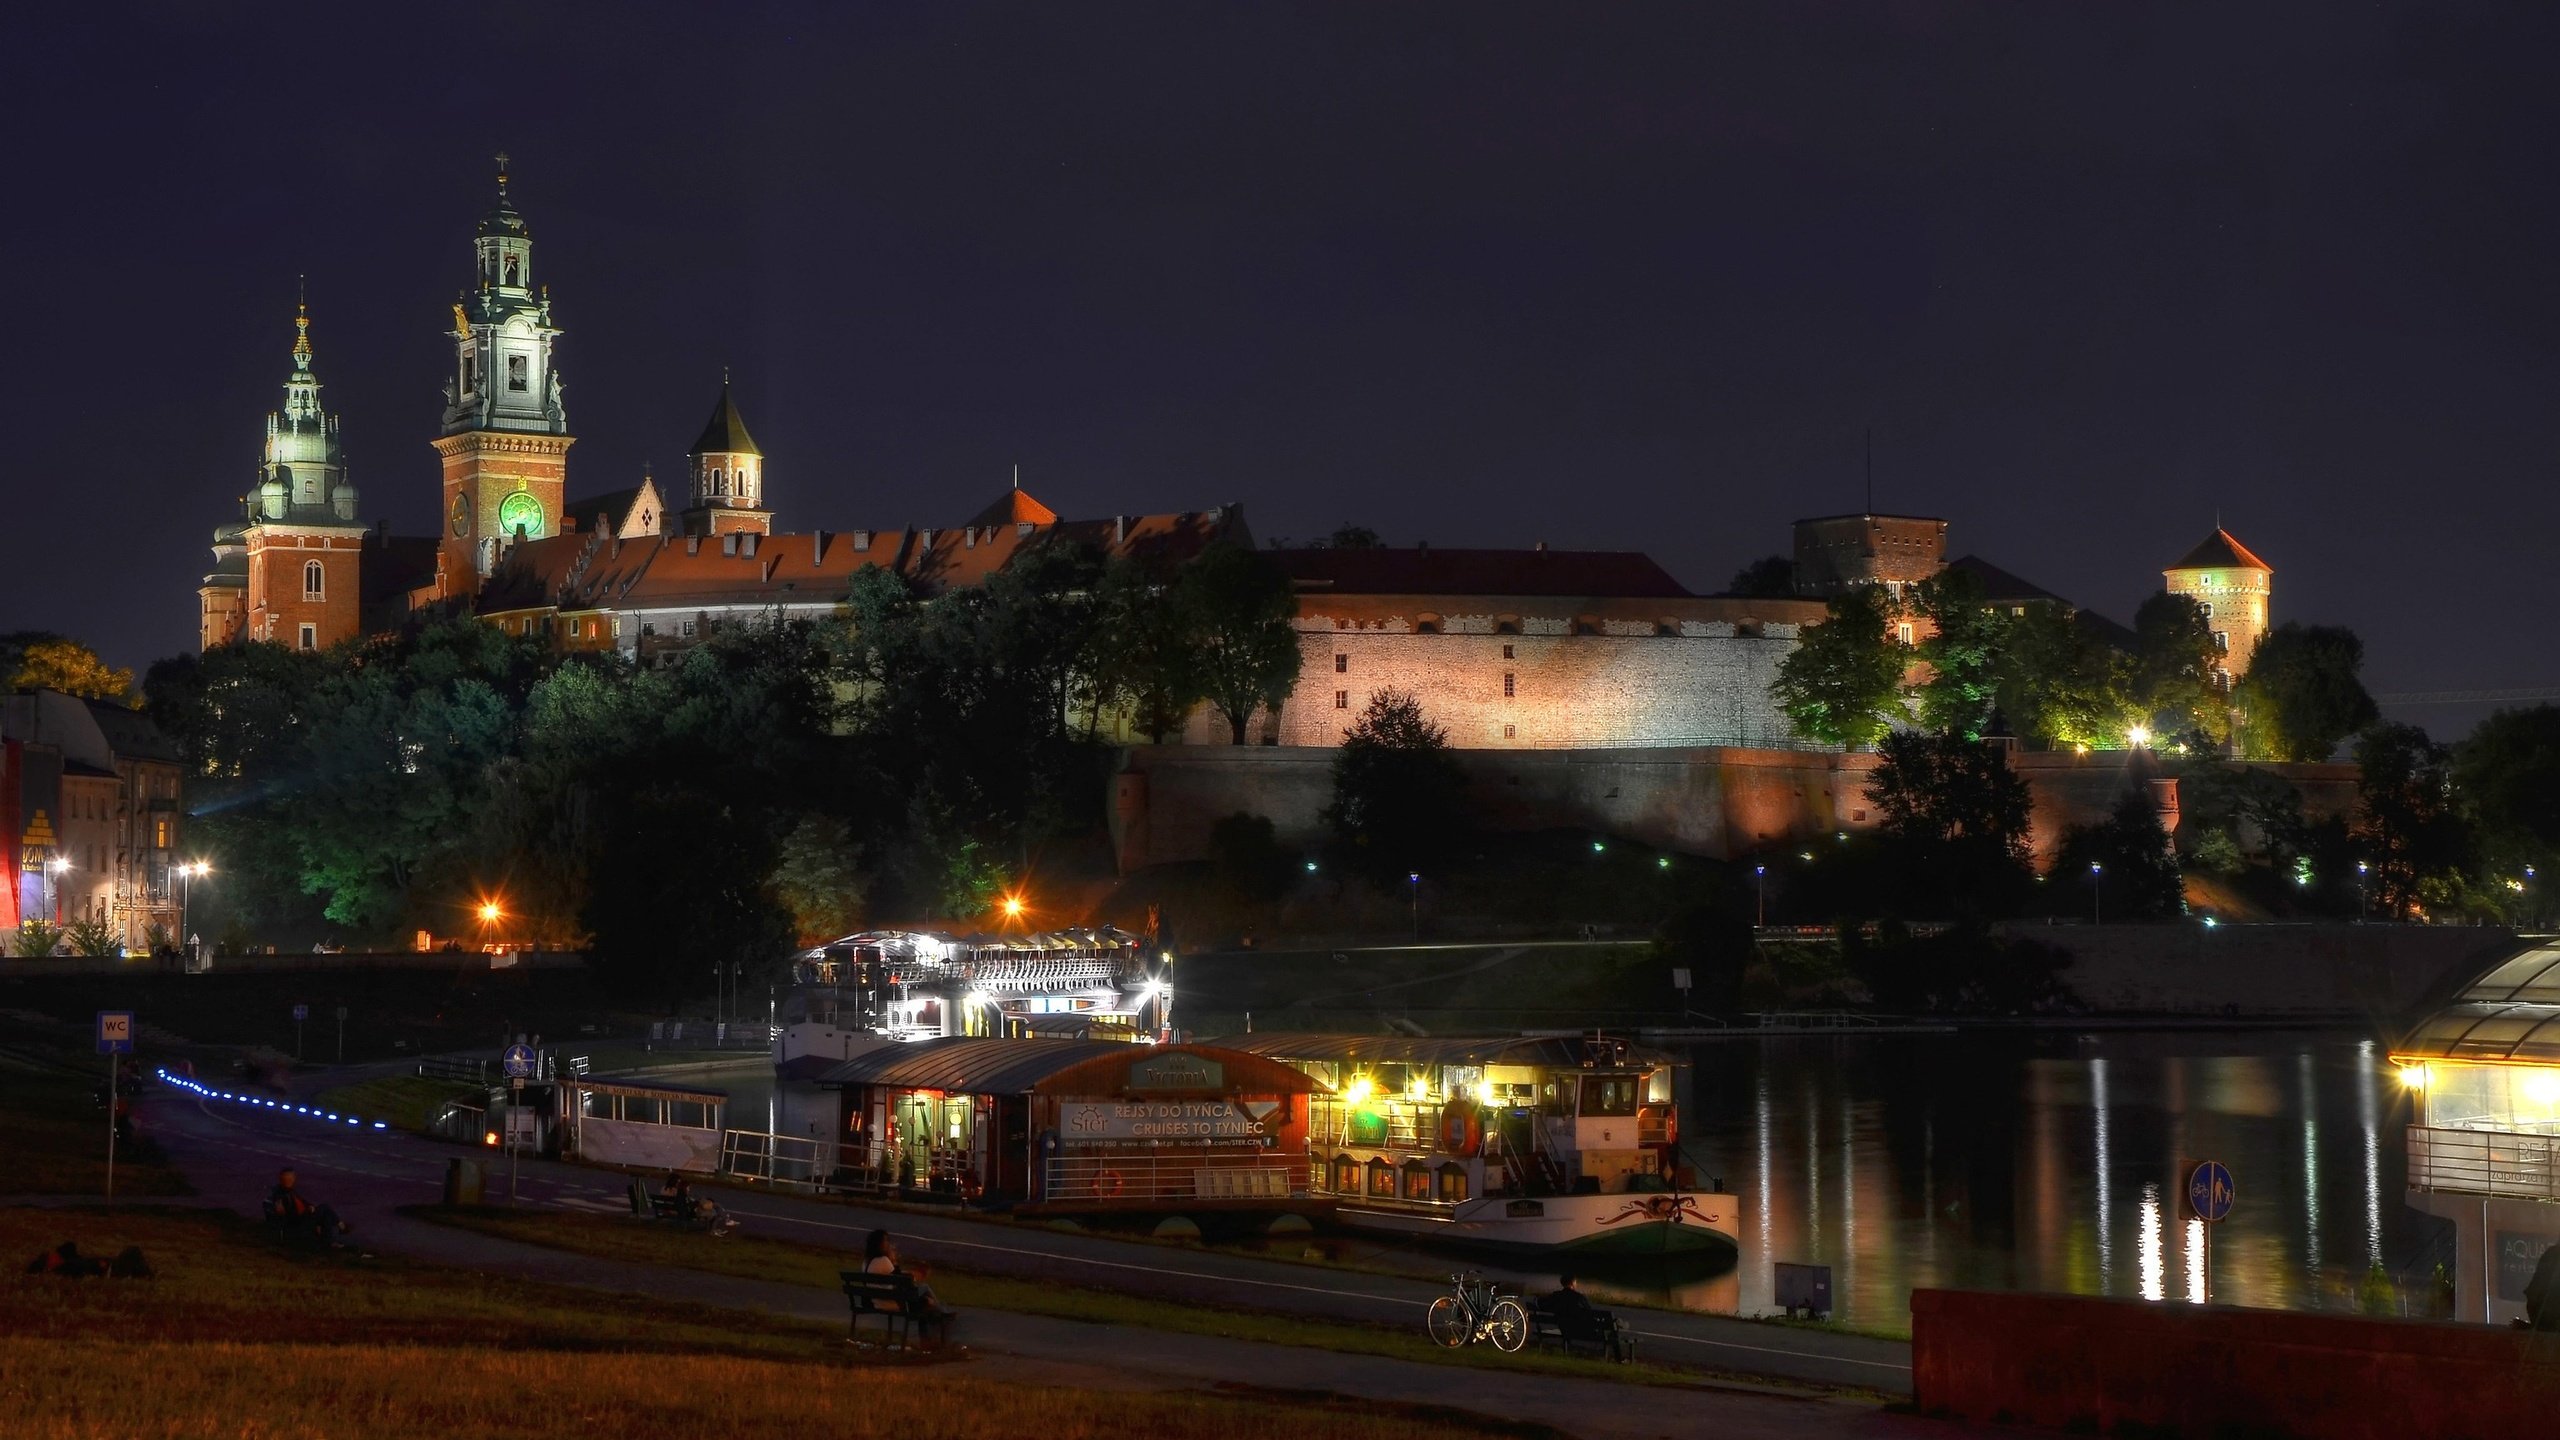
(1624, 574)
(2219, 551)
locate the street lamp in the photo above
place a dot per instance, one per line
(1413, 889)
(187, 874)
(57, 867)
(2137, 737)
(2362, 870)
(2097, 893)
(1760, 882)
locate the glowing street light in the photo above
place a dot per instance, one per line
(2097, 893)
(187, 874)
(2138, 736)
(1013, 907)
(1760, 881)
(490, 913)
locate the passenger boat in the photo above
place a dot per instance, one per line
(1542, 1143)
(850, 995)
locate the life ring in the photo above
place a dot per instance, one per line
(1107, 1185)
(1461, 1128)
(1668, 1119)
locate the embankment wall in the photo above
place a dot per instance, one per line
(2108, 1367)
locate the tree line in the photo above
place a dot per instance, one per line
(910, 757)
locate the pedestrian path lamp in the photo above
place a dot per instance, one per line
(187, 874)
(1760, 879)
(2097, 893)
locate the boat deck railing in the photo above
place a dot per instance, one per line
(1240, 1174)
(2484, 1162)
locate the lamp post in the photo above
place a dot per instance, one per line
(2097, 893)
(1760, 881)
(2361, 871)
(1413, 891)
(57, 867)
(187, 874)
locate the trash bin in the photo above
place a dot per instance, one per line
(462, 1184)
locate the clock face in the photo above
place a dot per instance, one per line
(461, 515)
(520, 512)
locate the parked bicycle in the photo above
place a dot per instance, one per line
(1473, 1312)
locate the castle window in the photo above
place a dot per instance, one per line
(1341, 664)
(687, 629)
(310, 637)
(1903, 634)
(1507, 685)
(1341, 699)
(1506, 625)
(2207, 607)
(1511, 732)
(1506, 652)
(313, 580)
(516, 377)
(2222, 640)
(470, 372)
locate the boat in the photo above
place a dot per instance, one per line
(884, 986)
(1534, 1143)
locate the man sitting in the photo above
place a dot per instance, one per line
(680, 1190)
(1578, 1318)
(293, 1211)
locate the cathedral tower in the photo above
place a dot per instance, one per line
(292, 561)
(2235, 588)
(506, 438)
(728, 476)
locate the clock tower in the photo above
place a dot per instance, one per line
(505, 444)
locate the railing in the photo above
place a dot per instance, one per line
(777, 1159)
(1244, 1174)
(2484, 1162)
(1408, 1124)
(448, 1067)
(711, 1035)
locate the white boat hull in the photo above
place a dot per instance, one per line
(1649, 1223)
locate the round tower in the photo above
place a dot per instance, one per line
(2235, 588)
(728, 475)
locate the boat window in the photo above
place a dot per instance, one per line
(1453, 1184)
(1554, 1098)
(1608, 1094)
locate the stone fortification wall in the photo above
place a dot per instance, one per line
(1705, 800)
(1531, 682)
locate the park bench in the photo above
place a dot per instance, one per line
(647, 1204)
(1599, 1332)
(891, 1297)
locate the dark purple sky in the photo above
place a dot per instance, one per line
(1598, 275)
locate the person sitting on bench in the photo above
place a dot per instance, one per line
(678, 1189)
(288, 1207)
(880, 1257)
(1568, 1304)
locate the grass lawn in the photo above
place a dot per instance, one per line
(53, 1134)
(755, 1258)
(238, 1337)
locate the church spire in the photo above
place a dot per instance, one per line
(301, 326)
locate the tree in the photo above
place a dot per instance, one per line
(2174, 664)
(2138, 876)
(93, 938)
(1771, 577)
(2301, 696)
(1142, 667)
(1250, 863)
(2407, 822)
(1399, 797)
(49, 662)
(818, 878)
(1242, 651)
(1839, 685)
(2508, 773)
(1963, 655)
(2058, 684)
(1348, 536)
(1955, 815)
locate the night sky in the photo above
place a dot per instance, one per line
(1603, 276)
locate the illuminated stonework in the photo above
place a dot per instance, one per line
(2235, 588)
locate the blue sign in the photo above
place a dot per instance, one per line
(115, 1032)
(301, 1012)
(519, 1062)
(2209, 1191)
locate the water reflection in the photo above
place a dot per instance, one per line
(2031, 1162)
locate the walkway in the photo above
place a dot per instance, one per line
(231, 1153)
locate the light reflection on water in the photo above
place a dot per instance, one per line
(2000, 1161)
(2011, 1161)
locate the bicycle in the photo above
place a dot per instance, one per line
(1473, 1312)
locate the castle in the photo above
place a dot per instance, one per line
(1526, 649)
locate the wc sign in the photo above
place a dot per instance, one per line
(115, 1032)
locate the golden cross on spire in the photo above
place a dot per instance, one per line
(301, 323)
(502, 174)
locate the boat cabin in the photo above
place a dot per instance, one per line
(1094, 983)
(1434, 1122)
(1072, 1124)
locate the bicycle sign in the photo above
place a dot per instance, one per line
(2209, 1192)
(519, 1061)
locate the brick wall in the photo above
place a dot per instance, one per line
(278, 608)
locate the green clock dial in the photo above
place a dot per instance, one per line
(520, 511)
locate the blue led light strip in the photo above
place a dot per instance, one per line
(259, 1102)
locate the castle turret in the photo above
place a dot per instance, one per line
(289, 572)
(2235, 588)
(728, 476)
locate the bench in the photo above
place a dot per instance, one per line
(1598, 1331)
(647, 1204)
(892, 1297)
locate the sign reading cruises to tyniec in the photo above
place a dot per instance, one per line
(1157, 1120)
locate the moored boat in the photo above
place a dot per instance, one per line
(1540, 1143)
(849, 995)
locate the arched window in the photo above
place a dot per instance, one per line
(314, 580)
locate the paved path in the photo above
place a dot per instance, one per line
(231, 1153)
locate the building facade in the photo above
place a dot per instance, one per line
(89, 807)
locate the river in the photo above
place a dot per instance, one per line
(1997, 1159)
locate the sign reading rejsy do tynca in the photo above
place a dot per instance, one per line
(1164, 1119)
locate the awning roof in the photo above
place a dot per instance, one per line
(1563, 1052)
(973, 1065)
(2511, 1015)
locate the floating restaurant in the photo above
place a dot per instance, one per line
(2483, 1075)
(1073, 1124)
(1095, 983)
